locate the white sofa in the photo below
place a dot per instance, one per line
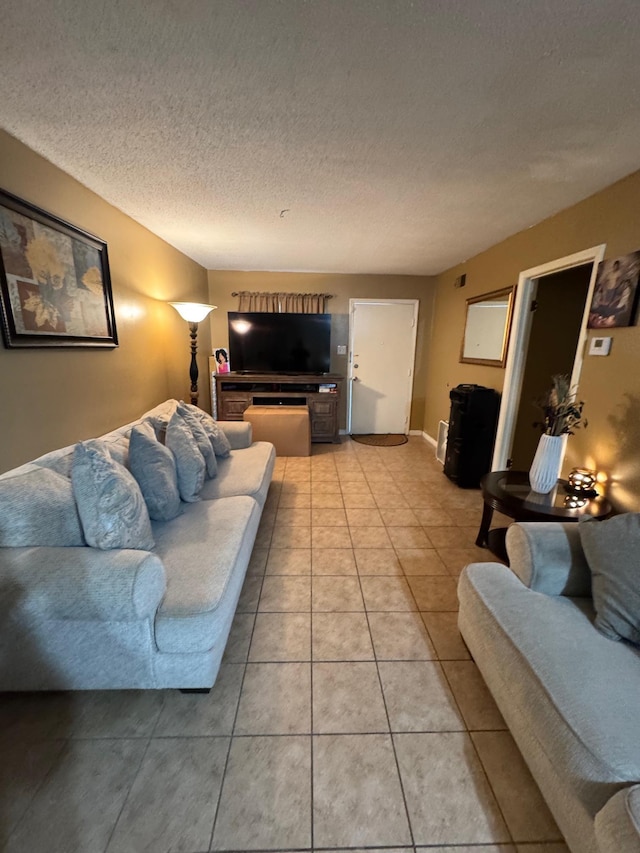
(77, 617)
(570, 696)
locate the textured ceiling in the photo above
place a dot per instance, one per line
(386, 136)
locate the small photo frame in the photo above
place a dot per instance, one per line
(55, 287)
(616, 293)
(221, 356)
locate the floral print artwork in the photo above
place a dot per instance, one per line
(53, 281)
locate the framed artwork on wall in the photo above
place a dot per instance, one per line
(615, 295)
(55, 286)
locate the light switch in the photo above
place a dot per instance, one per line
(342, 350)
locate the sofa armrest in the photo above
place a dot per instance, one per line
(80, 583)
(548, 557)
(618, 823)
(239, 433)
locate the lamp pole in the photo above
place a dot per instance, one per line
(193, 313)
(193, 369)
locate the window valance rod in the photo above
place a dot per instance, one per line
(324, 295)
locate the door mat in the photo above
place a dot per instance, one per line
(388, 440)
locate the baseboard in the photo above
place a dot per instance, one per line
(429, 438)
(415, 432)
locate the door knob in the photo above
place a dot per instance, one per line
(356, 365)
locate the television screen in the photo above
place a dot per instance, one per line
(279, 343)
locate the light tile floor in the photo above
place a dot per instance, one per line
(347, 714)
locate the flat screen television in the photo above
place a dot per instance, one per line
(279, 343)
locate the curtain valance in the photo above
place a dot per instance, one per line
(283, 303)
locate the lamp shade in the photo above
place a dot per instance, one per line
(193, 312)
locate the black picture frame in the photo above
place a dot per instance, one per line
(55, 284)
(615, 296)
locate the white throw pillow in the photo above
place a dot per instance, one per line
(109, 501)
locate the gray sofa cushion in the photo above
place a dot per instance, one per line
(110, 503)
(37, 507)
(218, 439)
(61, 460)
(612, 549)
(190, 462)
(205, 554)
(573, 689)
(58, 461)
(548, 557)
(118, 447)
(243, 472)
(202, 439)
(618, 823)
(79, 585)
(239, 434)
(154, 467)
(159, 427)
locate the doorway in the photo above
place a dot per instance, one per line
(519, 343)
(559, 304)
(382, 343)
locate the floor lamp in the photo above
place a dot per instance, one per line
(193, 313)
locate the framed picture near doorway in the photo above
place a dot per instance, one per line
(615, 296)
(55, 286)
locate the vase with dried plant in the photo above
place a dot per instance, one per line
(562, 414)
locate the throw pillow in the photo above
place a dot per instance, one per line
(110, 503)
(154, 467)
(159, 426)
(37, 508)
(612, 549)
(190, 463)
(118, 449)
(218, 439)
(202, 439)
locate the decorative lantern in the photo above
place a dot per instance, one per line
(582, 482)
(575, 502)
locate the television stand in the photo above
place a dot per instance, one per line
(234, 392)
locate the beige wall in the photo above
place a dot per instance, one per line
(54, 397)
(610, 386)
(222, 283)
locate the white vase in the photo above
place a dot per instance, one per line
(545, 468)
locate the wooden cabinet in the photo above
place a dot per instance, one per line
(234, 392)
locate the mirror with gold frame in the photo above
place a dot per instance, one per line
(487, 327)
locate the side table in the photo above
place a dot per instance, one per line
(509, 492)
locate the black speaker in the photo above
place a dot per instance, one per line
(473, 420)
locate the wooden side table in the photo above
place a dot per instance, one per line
(509, 492)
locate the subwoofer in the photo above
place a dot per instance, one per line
(473, 420)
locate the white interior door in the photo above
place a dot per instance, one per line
(382, 343)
